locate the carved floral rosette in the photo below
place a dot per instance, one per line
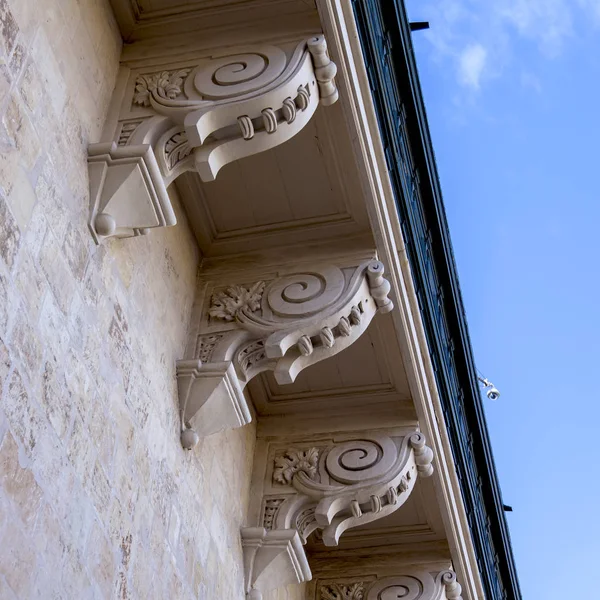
(284, 325)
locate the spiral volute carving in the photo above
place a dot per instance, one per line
(403, 587)
(231, 76)
(453, 588)
(398, 588)
(358, 460)
(304, 294)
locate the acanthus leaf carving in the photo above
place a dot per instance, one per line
(306, 523)
(205, 346)
(251, 355)
(176, 148)
(236, 301)
(342, 591)
(166, 85)
(270, 511)
(295, 461)
(127, 129)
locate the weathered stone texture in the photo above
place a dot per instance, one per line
(97, 498)
(291, 592)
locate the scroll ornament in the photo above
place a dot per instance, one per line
(348, 484)
(331, 487)
(284, 325)
(416, 585)
(201, 117)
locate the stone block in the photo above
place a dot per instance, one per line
(18, 483)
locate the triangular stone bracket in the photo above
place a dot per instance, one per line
(128, 196)
(272, 559)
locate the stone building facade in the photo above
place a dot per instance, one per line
(127, 470)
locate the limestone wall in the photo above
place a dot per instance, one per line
(297, 591)
(97, 499)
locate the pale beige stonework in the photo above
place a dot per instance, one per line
(97, 497)
(260, 328)
(296, 591)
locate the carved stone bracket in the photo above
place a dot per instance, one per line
(272, 559)
(411, 585)
(127, 193)
(200, 118)
(285, 326)
(334, 486)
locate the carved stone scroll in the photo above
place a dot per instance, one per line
(284, 325)
(336, 485)
(410, 585)
(201, 117)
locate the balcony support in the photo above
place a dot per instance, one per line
(199, 115)
(411, 585)
(284, 324)
(330, 485)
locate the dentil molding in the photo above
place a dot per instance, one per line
(283, 325)
(332, 486)
(200, 117)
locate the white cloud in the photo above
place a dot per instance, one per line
(479, 39)
(549, 23)
(471, 63)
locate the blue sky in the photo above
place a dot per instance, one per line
(512, 89)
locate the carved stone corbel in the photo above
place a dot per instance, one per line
(272, 559)
(127, 192)
(331, 486)
(200, 117)
(284, 325)
(410, 585)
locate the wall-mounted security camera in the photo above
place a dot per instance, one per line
(491, 391)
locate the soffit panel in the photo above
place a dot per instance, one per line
(368, 372)
(417, 521)
(141, 20)
(302, 191)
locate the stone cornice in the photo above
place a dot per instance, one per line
(411, 166)
(355, 89)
